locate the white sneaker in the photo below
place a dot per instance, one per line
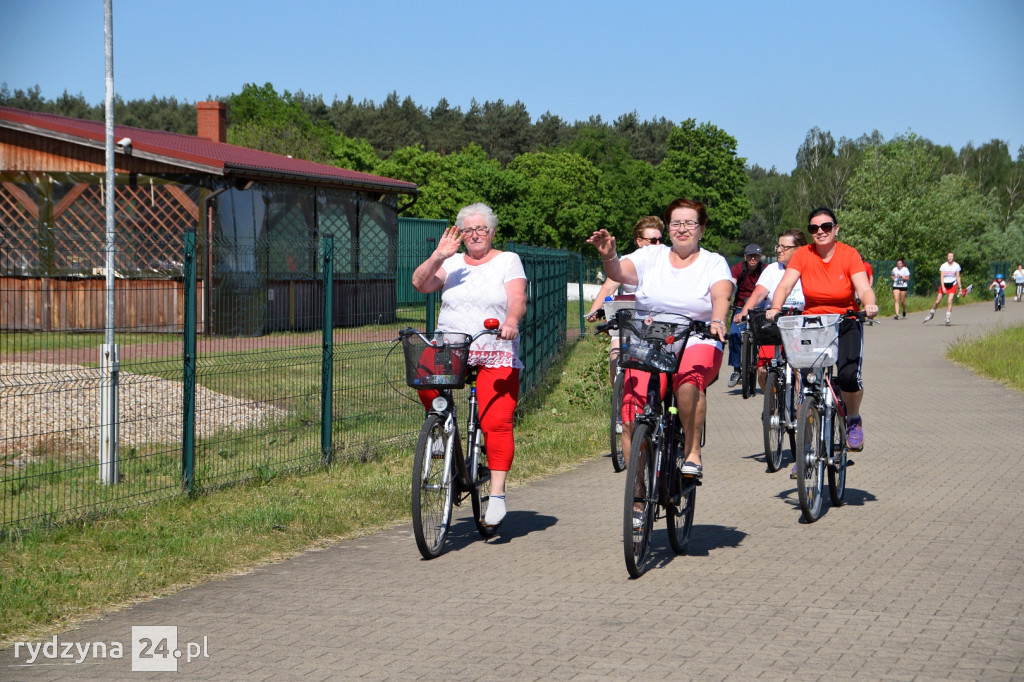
(495, 511)
(947, 321)
(929, 316)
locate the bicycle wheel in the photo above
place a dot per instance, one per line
(431, 488)
(480, 480)
(615, 423)
(810, 460)
(748, 364)
(641, 490)
(837, 463)
(771, 420)
(679, 513)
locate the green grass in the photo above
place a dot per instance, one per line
(996, 356)
(53, 577)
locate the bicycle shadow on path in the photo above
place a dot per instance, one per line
(703, 539)
(517, 524)
(854, 498)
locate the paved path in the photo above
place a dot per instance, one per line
(920, 576)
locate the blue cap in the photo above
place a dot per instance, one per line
(608, 298)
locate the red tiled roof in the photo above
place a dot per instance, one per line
(219, 158)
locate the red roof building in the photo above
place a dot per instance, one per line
(257, 216)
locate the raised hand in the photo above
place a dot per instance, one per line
(604, 242)
(449, 243)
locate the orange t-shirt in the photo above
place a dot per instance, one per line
(827, 286)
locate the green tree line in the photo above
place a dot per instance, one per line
(553, 182)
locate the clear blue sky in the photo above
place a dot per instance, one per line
(766, 72)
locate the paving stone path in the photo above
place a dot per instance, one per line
(919, 576)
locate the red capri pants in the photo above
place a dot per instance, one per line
(497, 393)
(699, 366)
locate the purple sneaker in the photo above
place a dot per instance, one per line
(855, 435)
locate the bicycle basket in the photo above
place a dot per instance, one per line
(651, 341)
(440, 362)
(810, 341)
(764, 332)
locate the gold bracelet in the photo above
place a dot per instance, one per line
(610, 258)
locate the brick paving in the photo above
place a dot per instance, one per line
(919, 576)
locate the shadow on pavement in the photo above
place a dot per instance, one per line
(519, 524)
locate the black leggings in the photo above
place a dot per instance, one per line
(851, 355)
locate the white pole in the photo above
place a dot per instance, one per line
(109, 360)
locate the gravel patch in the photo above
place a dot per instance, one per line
(48, 405)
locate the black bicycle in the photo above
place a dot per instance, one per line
(443, 475)
(655, 484)
(778, 416)
(748, 361)
(812, 343)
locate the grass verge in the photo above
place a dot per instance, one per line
(996, 356)
(53, 578)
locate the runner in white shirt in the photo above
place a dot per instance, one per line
(789, 242)
(900, 284)
(949, 283)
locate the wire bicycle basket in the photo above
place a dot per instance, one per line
(651, 341)
(810, 341)
(438, 360)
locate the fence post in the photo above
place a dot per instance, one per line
(579, 278)
(188, 390)
(327, 373)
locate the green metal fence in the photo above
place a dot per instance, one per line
(301, 376)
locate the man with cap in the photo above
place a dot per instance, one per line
(745, 275)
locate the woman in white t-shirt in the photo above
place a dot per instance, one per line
(900, 284)
(482, 283)
(789, 242)
(1018, 279)
(687, 280)
(949, 284)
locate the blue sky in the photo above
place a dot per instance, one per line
(766, 72)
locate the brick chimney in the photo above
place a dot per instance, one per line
(212, 121)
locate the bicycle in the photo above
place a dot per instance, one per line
(811, 342)
(608, 311)
(443, 475)
(1000, 298)
(748, 361)
(778, 416)
(654, 478)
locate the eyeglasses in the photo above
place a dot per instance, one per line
(650, 240)
(824, 227)
(482, 230)
(680, 224)
(783, 247)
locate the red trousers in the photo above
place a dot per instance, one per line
(497, 393)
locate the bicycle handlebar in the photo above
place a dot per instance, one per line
(409, 331)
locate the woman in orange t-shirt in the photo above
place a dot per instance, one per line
(832, 276)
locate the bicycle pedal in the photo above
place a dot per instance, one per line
(849, 463)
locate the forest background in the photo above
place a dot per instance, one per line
(552, 182)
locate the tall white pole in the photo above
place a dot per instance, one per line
(109, 361)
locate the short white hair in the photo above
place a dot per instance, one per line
(480, 209)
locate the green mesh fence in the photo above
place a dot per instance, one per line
(282, 362)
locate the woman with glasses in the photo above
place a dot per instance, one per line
(482, 283)
(682, 279)
(767, 283)
(646, 232)
(833, 278)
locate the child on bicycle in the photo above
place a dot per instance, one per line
(999, 286)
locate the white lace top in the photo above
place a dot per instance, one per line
(473, 293)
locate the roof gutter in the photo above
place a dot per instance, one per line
(264, 174)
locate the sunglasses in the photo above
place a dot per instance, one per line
(824, 227)
(650, 240)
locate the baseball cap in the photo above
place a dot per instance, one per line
(752, 250)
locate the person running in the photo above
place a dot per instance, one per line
(745, 274)
(833, 277)
(647, 231)
(682, 279)
(1018, 279)
(949, 283)
(900, 283)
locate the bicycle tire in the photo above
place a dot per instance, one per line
(837, 466)
(679, 514)
(772, 420)
(641, 486)
(431, 493)
(615, 423)
(480, 484)
(748, 363)
(809, 460)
